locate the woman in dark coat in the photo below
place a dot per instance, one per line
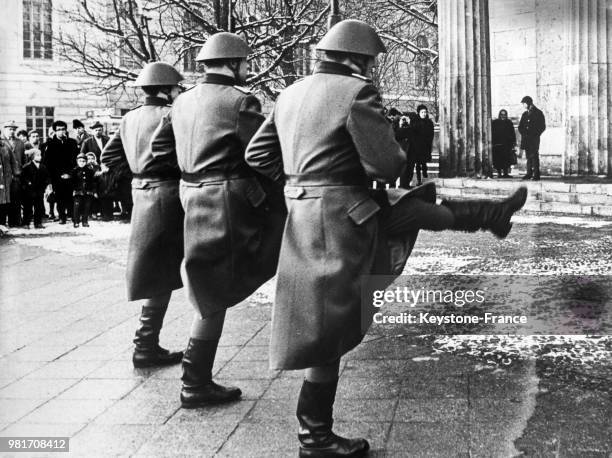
(156, 241)
(405, 137)
(423, 134)
(504, 141)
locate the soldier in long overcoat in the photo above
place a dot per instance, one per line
(156, 242)
(233, 224)
(328, 138)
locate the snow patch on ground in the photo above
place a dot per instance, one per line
(588, 222)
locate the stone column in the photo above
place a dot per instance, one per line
(465, 88)
(588, 87)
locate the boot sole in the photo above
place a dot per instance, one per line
(209, 403)
(147, 364)
(305, 453)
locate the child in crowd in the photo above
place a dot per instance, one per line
(92, 162)
(34, 179)
(84, 190)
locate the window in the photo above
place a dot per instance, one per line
(37, 31)
(129, 11)
(190, 24)
(39, 118)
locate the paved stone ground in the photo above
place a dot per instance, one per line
(65, 369)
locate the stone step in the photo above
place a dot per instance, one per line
(544, 196)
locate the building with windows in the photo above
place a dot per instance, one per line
(35, 87)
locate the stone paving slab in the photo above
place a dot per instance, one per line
(65, 370)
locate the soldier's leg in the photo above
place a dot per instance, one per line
(147, 352)
(418, 173)
(424, 168)
(315, 416)
(467, 215)
(199, 389)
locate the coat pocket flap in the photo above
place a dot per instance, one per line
(363, 211)
(256, 195)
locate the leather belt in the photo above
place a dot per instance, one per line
(349, 178)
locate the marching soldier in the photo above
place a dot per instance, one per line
(156, 241)
(232, 226)
(328, 137)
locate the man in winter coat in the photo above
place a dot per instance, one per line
(155, 247)
(97, 142)
(337, 229)
(17, 149)
(232, 226)
(60, 158)
(531, 126)
(8, 168)
(81, 133)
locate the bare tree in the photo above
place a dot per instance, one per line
(112, 39)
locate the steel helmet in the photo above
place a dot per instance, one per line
(352, 36)
(224, 45)
(158, 74)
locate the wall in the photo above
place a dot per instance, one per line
(527, 57)
(39, 82)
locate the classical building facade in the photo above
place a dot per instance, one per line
(494, 52)
(35, 87)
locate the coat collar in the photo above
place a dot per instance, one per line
(156, 101)
(334, 68)
(216, 78)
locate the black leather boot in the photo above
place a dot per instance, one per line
(315, 415)
(198, 387)
(471, 215)
(147, 352)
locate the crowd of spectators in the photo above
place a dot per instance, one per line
(58, 178)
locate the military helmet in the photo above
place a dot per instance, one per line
(352, 36)
(224, 45)
(158, 74)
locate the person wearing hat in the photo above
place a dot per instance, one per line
(84, 184)
(338, 229)
(81, 133)
(60, 158)
(531, 126)
(96, 142)
(210, 127)
(422, 140)
(155, 246)
(16, 148)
